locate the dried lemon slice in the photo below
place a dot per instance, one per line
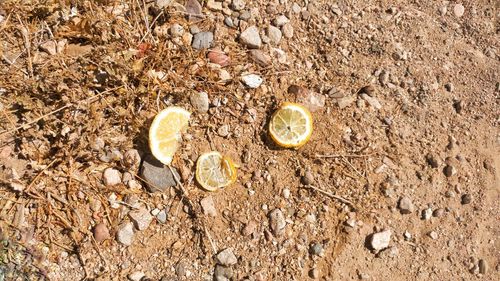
(291, 125)
(214, 171)
(165, 132)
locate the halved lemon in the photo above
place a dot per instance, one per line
(165, 132)
(214, 171)
(291, 125)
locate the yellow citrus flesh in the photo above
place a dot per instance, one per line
(214, 171)
(291, 125)
(165, 132)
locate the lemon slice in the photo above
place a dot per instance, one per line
(165, 132)
(214, 171)
(291, 125)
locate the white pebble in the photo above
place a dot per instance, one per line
(252, 80)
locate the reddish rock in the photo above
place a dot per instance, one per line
(101, 232)
(218, 57)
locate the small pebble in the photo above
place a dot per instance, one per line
(287, 30)
(222, 273)
(458, 10)
(260, 57)
(162, 216)
(238, 5)
(483, 266)
(157, 176)
(308, 178)
(433, 235)
(405, 205)
(380, 240)
(101, 232)
(466, 199)
(286, 193)
(136, 276)
(277, 222)
(449, 170)
(200, 102)
(316, 249)
(218, 57)
(438, 212)
(208, 206)
(141, 218)
(226, 257)
(252, 80)
(280, 21)
(132, 159)
(203, 40)
(111, 177)
(176, 30)
(427, 214)
(251, 38)
(274, 34)
(125, 234)
(314, 273)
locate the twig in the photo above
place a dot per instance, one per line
(57, 110)
(342, 156)
(39, 174)
(333, 196)
(212, 243)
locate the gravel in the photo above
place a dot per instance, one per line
(380, 240)
(101, 232)
(208, 206)
(405, 205)
(136, 276)
(125, 234)
(200, 102)
(277, 222)
(111, 177)
(226, 257)
(158, 177)
(203, 40)
(162, 216)
(251, 38)
(141, 218)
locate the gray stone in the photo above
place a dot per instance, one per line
(405, 205)
(162, 216)
(226, 257)
(203, 40)
(316, 249)
(141, 218)
(245, 15)
(274, 34)
(157, 176)
(251, 38)
(380, 240)
(277, 222)
(427, 214)
(229, 22)
(125, 234)
(208, 206)
(200, 102)
(111, 177)
(222, 273)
